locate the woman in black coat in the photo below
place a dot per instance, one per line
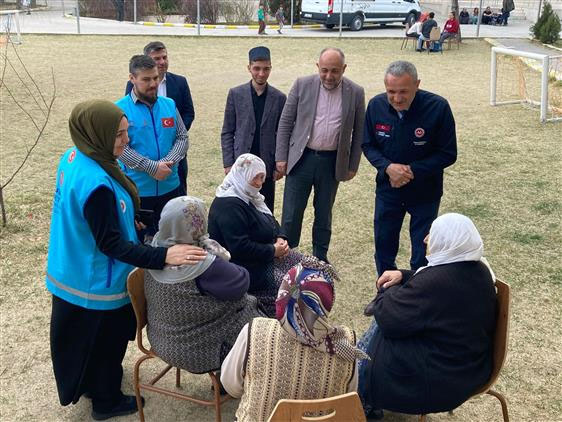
(241, 222)
(431, 341)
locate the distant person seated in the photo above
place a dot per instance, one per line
(474, 17)
(415, 30)
(427, 26)
(487, 16)
(299, 355)
(464, 16)
(195, 312)
(431, 339)
(451, 29)
(240, 220)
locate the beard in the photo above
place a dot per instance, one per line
(147, 98)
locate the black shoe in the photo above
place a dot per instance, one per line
(370, 309)
(419, 50)
(375, 415)
(127, 406)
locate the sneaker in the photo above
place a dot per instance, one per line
(127, 406)
(278, 31)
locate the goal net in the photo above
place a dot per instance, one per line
(531, 79)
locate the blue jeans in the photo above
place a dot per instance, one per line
(366, 344)
(421, 39)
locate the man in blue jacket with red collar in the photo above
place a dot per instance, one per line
(409, 138)
(175, 87)
(158, 140)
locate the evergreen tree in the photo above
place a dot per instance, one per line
(547, 27)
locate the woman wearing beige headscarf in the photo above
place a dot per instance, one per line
(195, 311)
(92, 248)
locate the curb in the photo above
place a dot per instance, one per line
(224, 26)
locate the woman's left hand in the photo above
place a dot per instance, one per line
(185, 254)
(139, 225)
(389, 278)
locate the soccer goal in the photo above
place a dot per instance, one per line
(521, 77)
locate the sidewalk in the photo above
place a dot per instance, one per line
(52, 22)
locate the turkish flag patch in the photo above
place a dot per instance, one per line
(383, 127)
(167, 122)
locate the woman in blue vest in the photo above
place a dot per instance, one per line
(92, 249)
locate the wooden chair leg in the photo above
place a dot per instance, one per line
(422, 418)
(501, 398)
(217, 388)
(178, 379)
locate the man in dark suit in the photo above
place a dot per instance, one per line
(175, 87)
(244, 131)
(319, 145)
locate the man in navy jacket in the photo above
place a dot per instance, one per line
(409, 138)
(175, 87)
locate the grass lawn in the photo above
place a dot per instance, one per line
(507, 179)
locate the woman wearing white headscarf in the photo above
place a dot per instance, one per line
(240, 220)
(195, 312)
(431, 339)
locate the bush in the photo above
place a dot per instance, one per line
(547, 28)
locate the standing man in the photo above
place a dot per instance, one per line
(157, 140)
(244, 131)
(409, 138)
(175, 87)
(280, 16)
(261, 20)
(319, 145)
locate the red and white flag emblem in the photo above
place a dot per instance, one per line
(419, 132)
(167, 122)
(72, 156)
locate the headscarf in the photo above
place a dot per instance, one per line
(93, 128)
(184, 221)
(454, 238)
(237, 182)
(312, 284)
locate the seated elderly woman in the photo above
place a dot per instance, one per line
(240, 220)
(299, 355)
(431, 344)
(195, 311)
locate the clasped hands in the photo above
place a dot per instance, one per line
(163, 170)
(399, 174)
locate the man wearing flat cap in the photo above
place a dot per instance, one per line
(244, 131)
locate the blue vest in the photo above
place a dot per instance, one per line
(77, 271)
(152, 133)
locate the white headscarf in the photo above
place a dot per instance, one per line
(454, 238)
(184, 221)
(237, 182)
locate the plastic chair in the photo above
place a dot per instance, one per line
(434, 35)
(501, 335)
(407, 38)
(135, 286)
(343, 408)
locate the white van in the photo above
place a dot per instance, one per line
(358, 12)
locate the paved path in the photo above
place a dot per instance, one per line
(52, 22)
(529, 46)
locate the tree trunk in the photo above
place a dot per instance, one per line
(2, 207)
(455, 10)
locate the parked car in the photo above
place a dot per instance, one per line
(356, 13)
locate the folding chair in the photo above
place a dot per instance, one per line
(456, 39)
(135, 286)
(343, 408)
(407, 38)
(501, 336)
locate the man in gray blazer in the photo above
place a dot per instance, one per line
(319, 145)
(251, 117)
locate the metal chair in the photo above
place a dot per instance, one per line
(501, 336)
(343, 408)
(407, 38)
(135, 286)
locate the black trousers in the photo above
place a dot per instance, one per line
(87, 349)
(155, 203)
(314, 169)
(268, 191)
(388, 223)
(182, 174)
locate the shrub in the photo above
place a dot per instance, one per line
(547, 27)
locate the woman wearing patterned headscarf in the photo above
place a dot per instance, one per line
(299, 355)
(240, 220)
(195, 312)
(431, 344)
(92, 249)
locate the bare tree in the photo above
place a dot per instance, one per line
(455, 10)
(38, 113)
